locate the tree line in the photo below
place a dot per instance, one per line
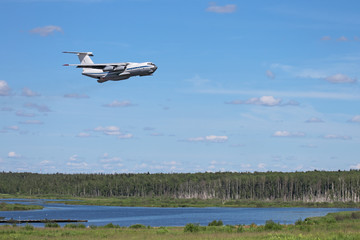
(312, 186)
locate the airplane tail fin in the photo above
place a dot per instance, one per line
(84, 57)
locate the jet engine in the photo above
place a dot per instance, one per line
(108, 68)
(120, 68)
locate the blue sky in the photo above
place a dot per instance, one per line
(240, 86)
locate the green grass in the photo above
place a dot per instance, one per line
(343, 225)
(18, 207)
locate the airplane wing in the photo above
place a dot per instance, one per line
(98, 66)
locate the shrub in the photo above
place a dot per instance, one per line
(216, 223)
(162, 230)
(110, 225)
(191, 227)
(240, 228)
(52, 225)
(92, 226)
(73, 225)
(271, 225)
(355, 215)
(298, 222)
(29, 227)
(137, 226)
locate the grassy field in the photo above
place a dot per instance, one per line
(18, 207)
(172, 202)
(342, 225)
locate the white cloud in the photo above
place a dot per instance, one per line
(309, 146)
(45, 162)
(355, 119)
(84, 135)
(263, 101)
(342, 39)
(6, 109)
(357, 166)
(77, 164)
(229, 8)
(211, 138)
(76, 95)
(125, 136)
(288, 134)
(261, 165)
(26, 92)
(109, 130)
(46, 30)
(14, 127)
(113, 131)
(326, 38)
(334, 136)
(340, 78)
(5, 90)
(314, 120)
(24, 114)
(74, 158)
(198, 81)
(116, 103)
(110, 160)
(13, 155)
(270, 74)
(40, 108)
(37, 122)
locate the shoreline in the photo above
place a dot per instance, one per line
(180, 203)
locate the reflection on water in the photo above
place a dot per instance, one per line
(126, 216)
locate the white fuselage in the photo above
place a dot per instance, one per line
(130, 70)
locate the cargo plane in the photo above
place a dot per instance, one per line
(111, 71)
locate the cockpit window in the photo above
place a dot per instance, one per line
(149, 63)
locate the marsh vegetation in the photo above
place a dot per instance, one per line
(342, 225)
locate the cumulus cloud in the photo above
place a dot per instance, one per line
(84, 135)
(6, 109)
(77, 164)
(355, 119)
(27, 92)
(46, 30)
(288, 134)
(270, 74)
(340, 78)
(357, 166)
(263, 101)
(119, 104)
(326, 38)
(107, 159)
(342, 39)
(314, 120)
(13, 155)
(24, 114)
(30, 122)
(229, 8)
(14, 128)
(40, 108)
(75, 95)
(261, 165)
(334, 136)
(211, 138)
(5, 90)
(113, 131)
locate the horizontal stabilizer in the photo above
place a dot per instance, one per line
(85, 53)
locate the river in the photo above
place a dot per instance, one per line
(126, 216)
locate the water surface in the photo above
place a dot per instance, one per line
(126, 216)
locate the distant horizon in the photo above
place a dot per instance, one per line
(240, 86)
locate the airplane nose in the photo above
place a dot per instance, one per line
(154, 68)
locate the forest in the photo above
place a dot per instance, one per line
(311, 186)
